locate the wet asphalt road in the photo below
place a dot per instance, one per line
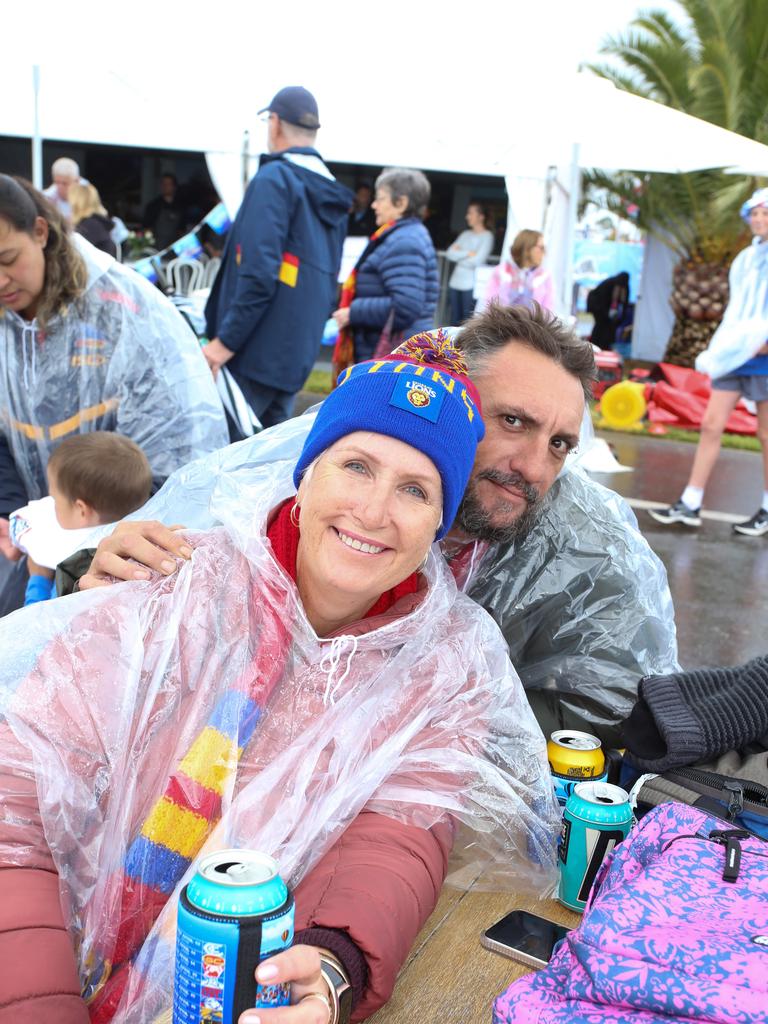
(719, 580)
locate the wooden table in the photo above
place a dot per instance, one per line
(448, 977)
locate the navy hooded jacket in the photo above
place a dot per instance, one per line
(277, 283)
(399, 279)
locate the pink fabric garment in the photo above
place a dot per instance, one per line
(410, 860)
(509, 285)
(379, 884)
(38, 976)
(664, 938)
(340, 893)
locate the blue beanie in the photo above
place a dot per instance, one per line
(413, 397)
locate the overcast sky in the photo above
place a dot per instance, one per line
(188, 41)
(200, 70)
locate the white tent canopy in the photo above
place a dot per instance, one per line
(419, 118)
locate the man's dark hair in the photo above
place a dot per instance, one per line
(497, 326)
(107, 471)
(171, 175)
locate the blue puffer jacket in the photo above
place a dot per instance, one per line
(400, 275)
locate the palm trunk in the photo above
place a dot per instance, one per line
(699, 298)
(688, 338)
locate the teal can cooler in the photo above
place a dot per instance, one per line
(236, 912)
(597, 816)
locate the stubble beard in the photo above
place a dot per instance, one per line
(474, 519)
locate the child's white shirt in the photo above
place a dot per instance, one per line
(35, 530)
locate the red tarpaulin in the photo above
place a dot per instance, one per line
(680, 396)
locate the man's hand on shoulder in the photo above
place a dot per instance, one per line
(132, 550)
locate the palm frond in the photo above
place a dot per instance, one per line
(712, 62)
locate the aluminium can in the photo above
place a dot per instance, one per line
(235, 912)
(597, 816)
(573, 757)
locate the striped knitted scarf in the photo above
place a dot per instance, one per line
(182, 818)
(190, 807)
(344, 350)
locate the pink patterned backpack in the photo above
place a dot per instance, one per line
(675, 929)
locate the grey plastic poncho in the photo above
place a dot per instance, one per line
(121, 358)
(109, 693)
(583, 602)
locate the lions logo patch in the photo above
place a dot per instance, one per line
(418, 396)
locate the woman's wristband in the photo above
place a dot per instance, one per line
(341, 946)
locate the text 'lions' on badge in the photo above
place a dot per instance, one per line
(418, 396)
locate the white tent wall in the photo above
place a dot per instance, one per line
(228, 174)
(654, 318)
(423, 118)
(556, 234)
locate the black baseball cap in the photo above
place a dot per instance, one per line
(296, 105)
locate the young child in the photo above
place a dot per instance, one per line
(93, 479)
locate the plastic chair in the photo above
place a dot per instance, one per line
(184, 275)
(210, 271)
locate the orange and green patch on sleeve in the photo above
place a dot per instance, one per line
(289, 270)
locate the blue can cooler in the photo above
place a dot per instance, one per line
(596, 817)
(234, 913)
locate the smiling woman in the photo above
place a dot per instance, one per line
(370, 514)
(310, 684)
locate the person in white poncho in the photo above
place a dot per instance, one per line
(737, 362)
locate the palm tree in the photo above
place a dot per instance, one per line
(712, 64)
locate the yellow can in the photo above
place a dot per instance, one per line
(574, 756)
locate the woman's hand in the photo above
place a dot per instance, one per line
(151, 544)
(341, 316)
(7, 547)
(300, 965)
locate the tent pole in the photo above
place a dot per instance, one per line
(246, 158)
(574, 193)
(37, 142)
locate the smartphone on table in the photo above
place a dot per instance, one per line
(524, 937)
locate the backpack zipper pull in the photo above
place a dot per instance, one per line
(732, 859)
(735, 798)
(730, 837)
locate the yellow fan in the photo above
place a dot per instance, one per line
(623, 405)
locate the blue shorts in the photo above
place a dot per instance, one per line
(755, 388)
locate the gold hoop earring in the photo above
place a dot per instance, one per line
(295, 508)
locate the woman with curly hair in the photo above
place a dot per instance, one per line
(86, 344)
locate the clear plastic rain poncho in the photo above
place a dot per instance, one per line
(584, 605)
(121, 358)
(107, 693)
(583, 602)
(744, 327)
